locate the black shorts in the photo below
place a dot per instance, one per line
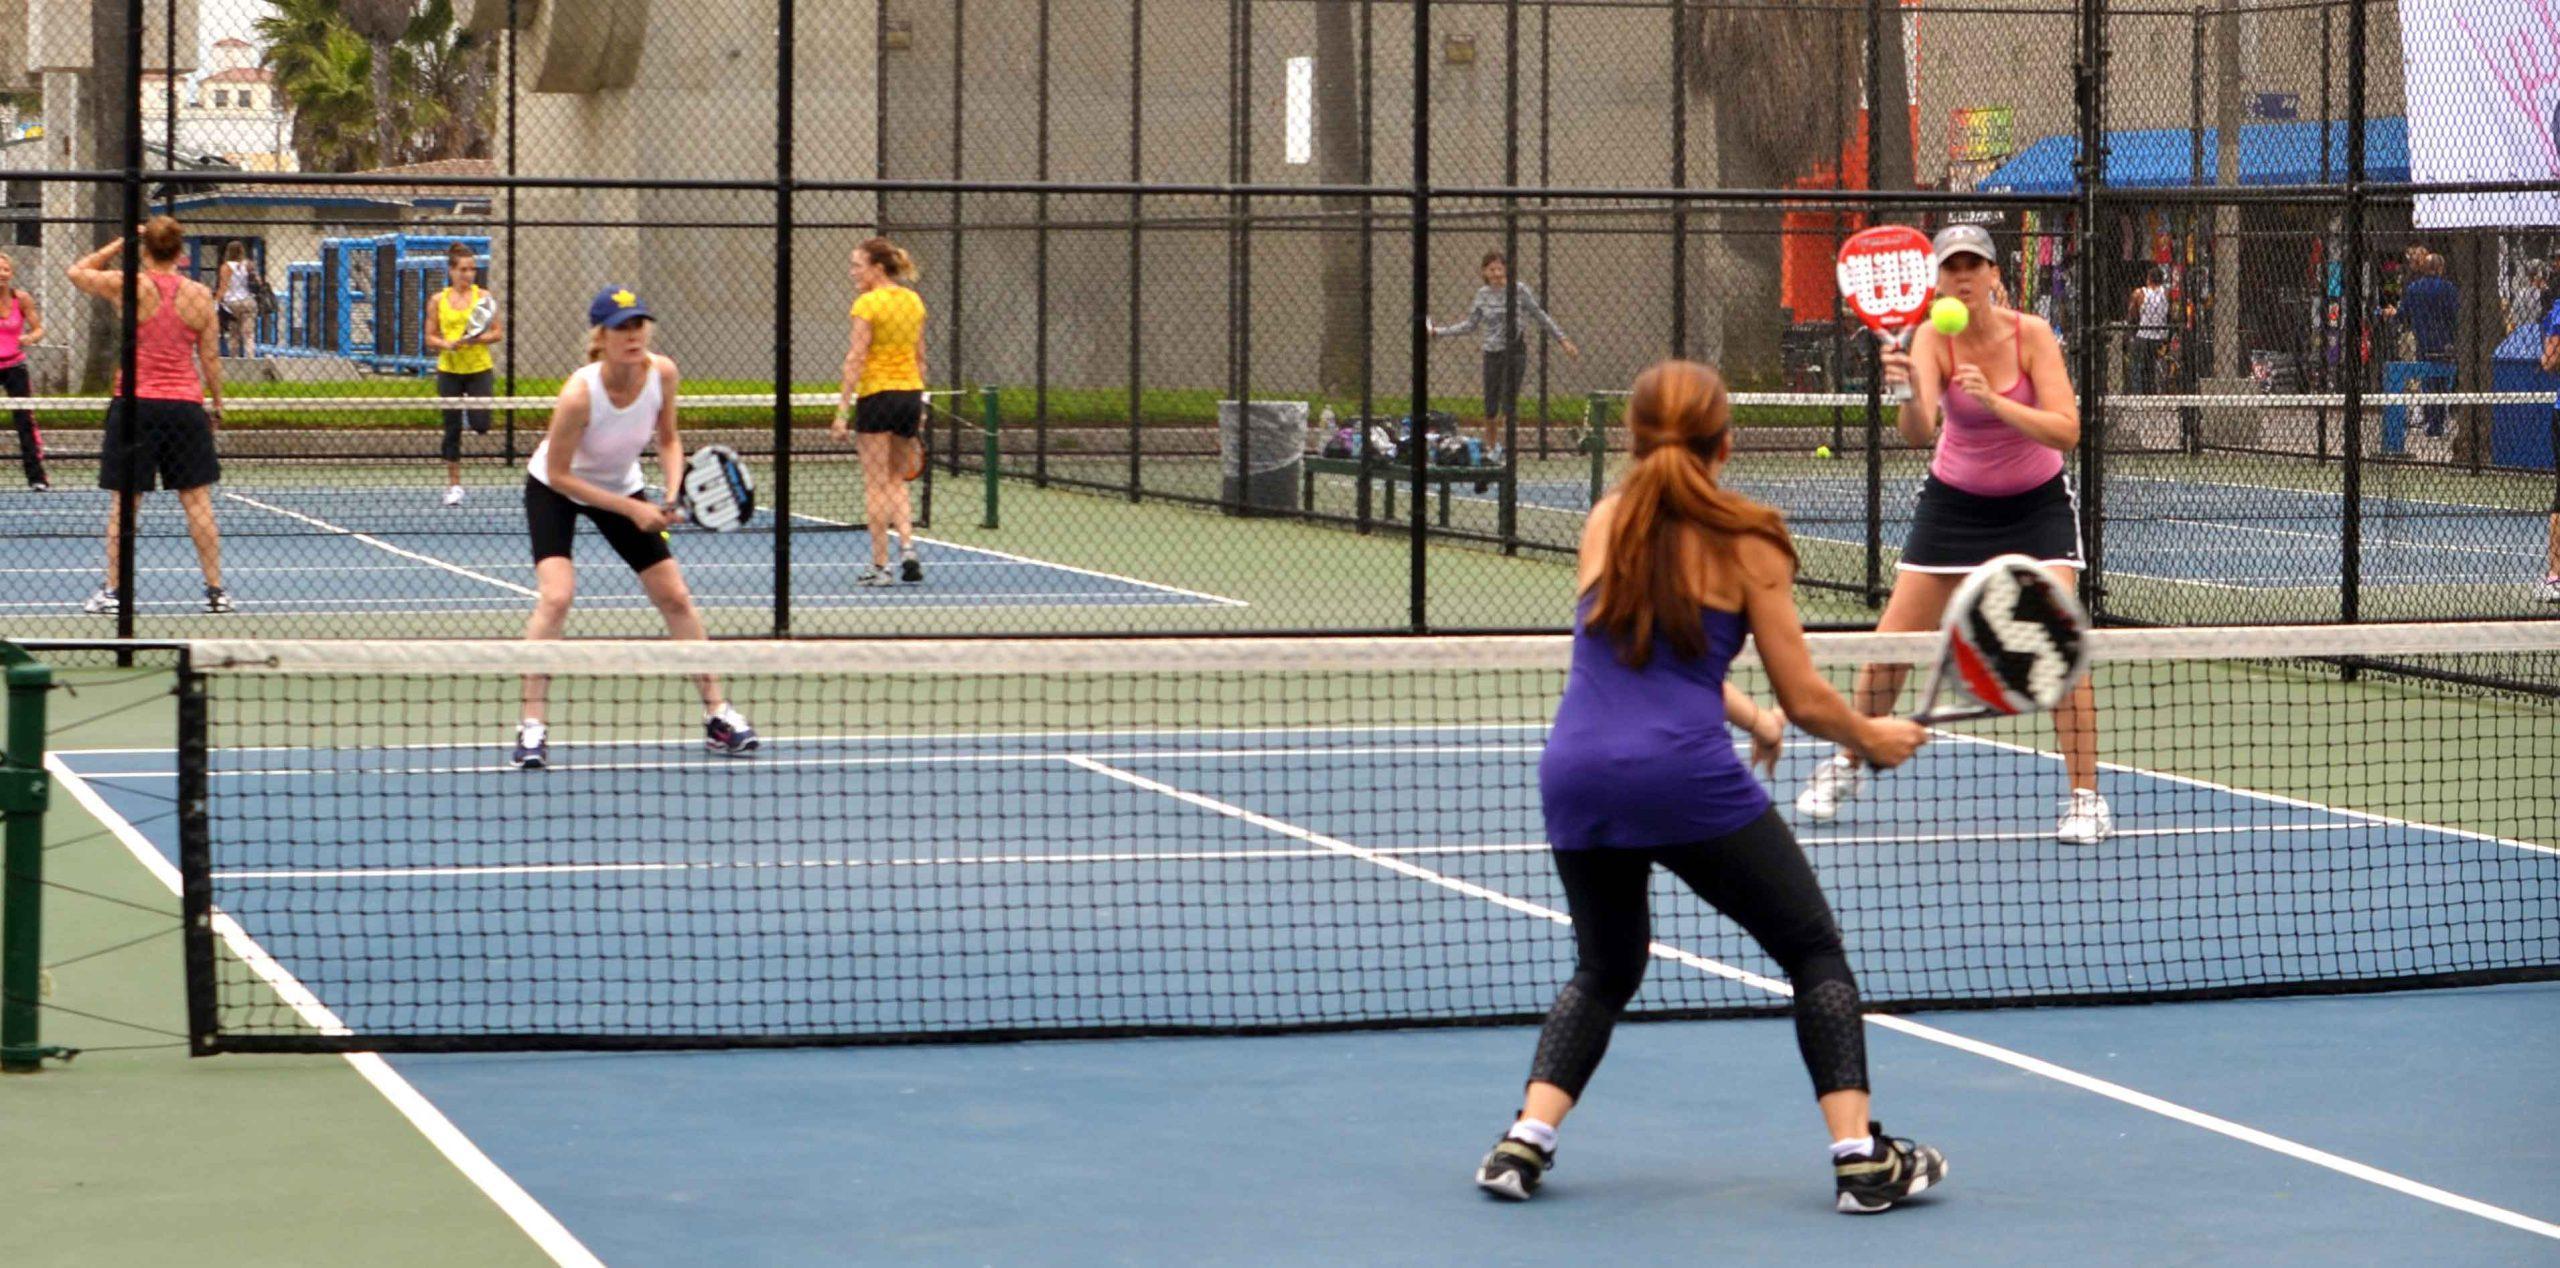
(1956, 531)
(474, 384)
(171, 449)
(553, 517)
(889, 413)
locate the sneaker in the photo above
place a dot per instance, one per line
(2550, 591)
(726, 732)
(39, 486)
(101, 603)
(2085, 820)
(453, 496)
(533, 746)
(1833, 783)
(911, 569)
(1893, 1170)
(1514, 1169)
(874, 575)
(217, 600)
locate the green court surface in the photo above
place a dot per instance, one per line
(135, 1154)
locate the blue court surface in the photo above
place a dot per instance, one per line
(2201, 532)
(2402, 1128)
(338, 549)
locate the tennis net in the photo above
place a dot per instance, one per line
(960, 839)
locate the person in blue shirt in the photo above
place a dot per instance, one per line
(1640, 771)
(2431, 305)
(2550, 591)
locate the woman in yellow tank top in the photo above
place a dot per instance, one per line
(883, 397)
(463, 364)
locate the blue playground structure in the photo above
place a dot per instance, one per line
(366, 299)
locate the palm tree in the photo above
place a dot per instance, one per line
(384, 24)
(1766, 140)
(432, 86)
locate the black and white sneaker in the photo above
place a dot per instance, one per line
(1893, 1171)
(1514, 1169)
(872, 576)
(217, 600)
(727, 733)
(101, 603)
(911, 569)
(533, 747)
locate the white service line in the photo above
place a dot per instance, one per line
(538, 1223)
(379, 544)
(1918, 1030)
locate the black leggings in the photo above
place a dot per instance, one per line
(13, 380)
(1757, 875)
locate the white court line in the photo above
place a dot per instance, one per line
(961, 737)
(465, 870)
(538, 1223)
(2332, 538)
(822, 763)
(379, 544)
(1918, 1030)
(1219, 599)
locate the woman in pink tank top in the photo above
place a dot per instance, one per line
(1994, 403)
(20, 325)
(167, 437)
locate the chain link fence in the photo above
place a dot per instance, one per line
(2301, 312)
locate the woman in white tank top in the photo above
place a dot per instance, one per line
(588, 467)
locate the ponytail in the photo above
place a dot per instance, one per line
(1678, 418)
(891, 259)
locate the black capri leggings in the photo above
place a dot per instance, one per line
(1757, 875)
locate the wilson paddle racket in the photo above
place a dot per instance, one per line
(2017, 642)
(1886, 277)
(484, 314)
(718, 493)
(911, 463)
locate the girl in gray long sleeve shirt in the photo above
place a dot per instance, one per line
(1506, 352)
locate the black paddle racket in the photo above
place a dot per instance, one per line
(2017, 642)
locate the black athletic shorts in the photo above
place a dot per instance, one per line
(893, 413)
(1956, 531)
(553, 517)
(171, 449)
(474, 384)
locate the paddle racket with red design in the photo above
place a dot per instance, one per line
(1886, 277)
(2017, 642)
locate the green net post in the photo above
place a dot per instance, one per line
(24, 788)
(990, 426)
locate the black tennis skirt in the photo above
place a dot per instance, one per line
(1956, 531)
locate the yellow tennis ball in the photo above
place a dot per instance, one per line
(1822, 451)
(1949, 315)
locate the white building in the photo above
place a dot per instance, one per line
(230, 109)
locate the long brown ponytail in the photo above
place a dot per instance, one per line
(1677, 418)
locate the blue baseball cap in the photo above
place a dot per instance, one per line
(617, 306)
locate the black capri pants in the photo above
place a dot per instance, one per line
(1502, 374)
(476, 383)
(1757, 875)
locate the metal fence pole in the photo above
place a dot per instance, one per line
(785, 209)
(1418, 602)
(2351, 305)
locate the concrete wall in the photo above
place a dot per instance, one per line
(684, 89)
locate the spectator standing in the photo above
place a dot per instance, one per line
(2431, 306)
(2148, 311)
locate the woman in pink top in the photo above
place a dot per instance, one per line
(20, 325)
(169, 439)
(1996, 486)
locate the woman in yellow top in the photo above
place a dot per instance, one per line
(883, 396)
(463, 364)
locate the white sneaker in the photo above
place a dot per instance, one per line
(874, 575)
(2085, 819)
(453, 496)
(1833, 783)
(2550, 591)
(101, 603)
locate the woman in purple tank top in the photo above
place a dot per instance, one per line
(1640, 770)
(1996, 486)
